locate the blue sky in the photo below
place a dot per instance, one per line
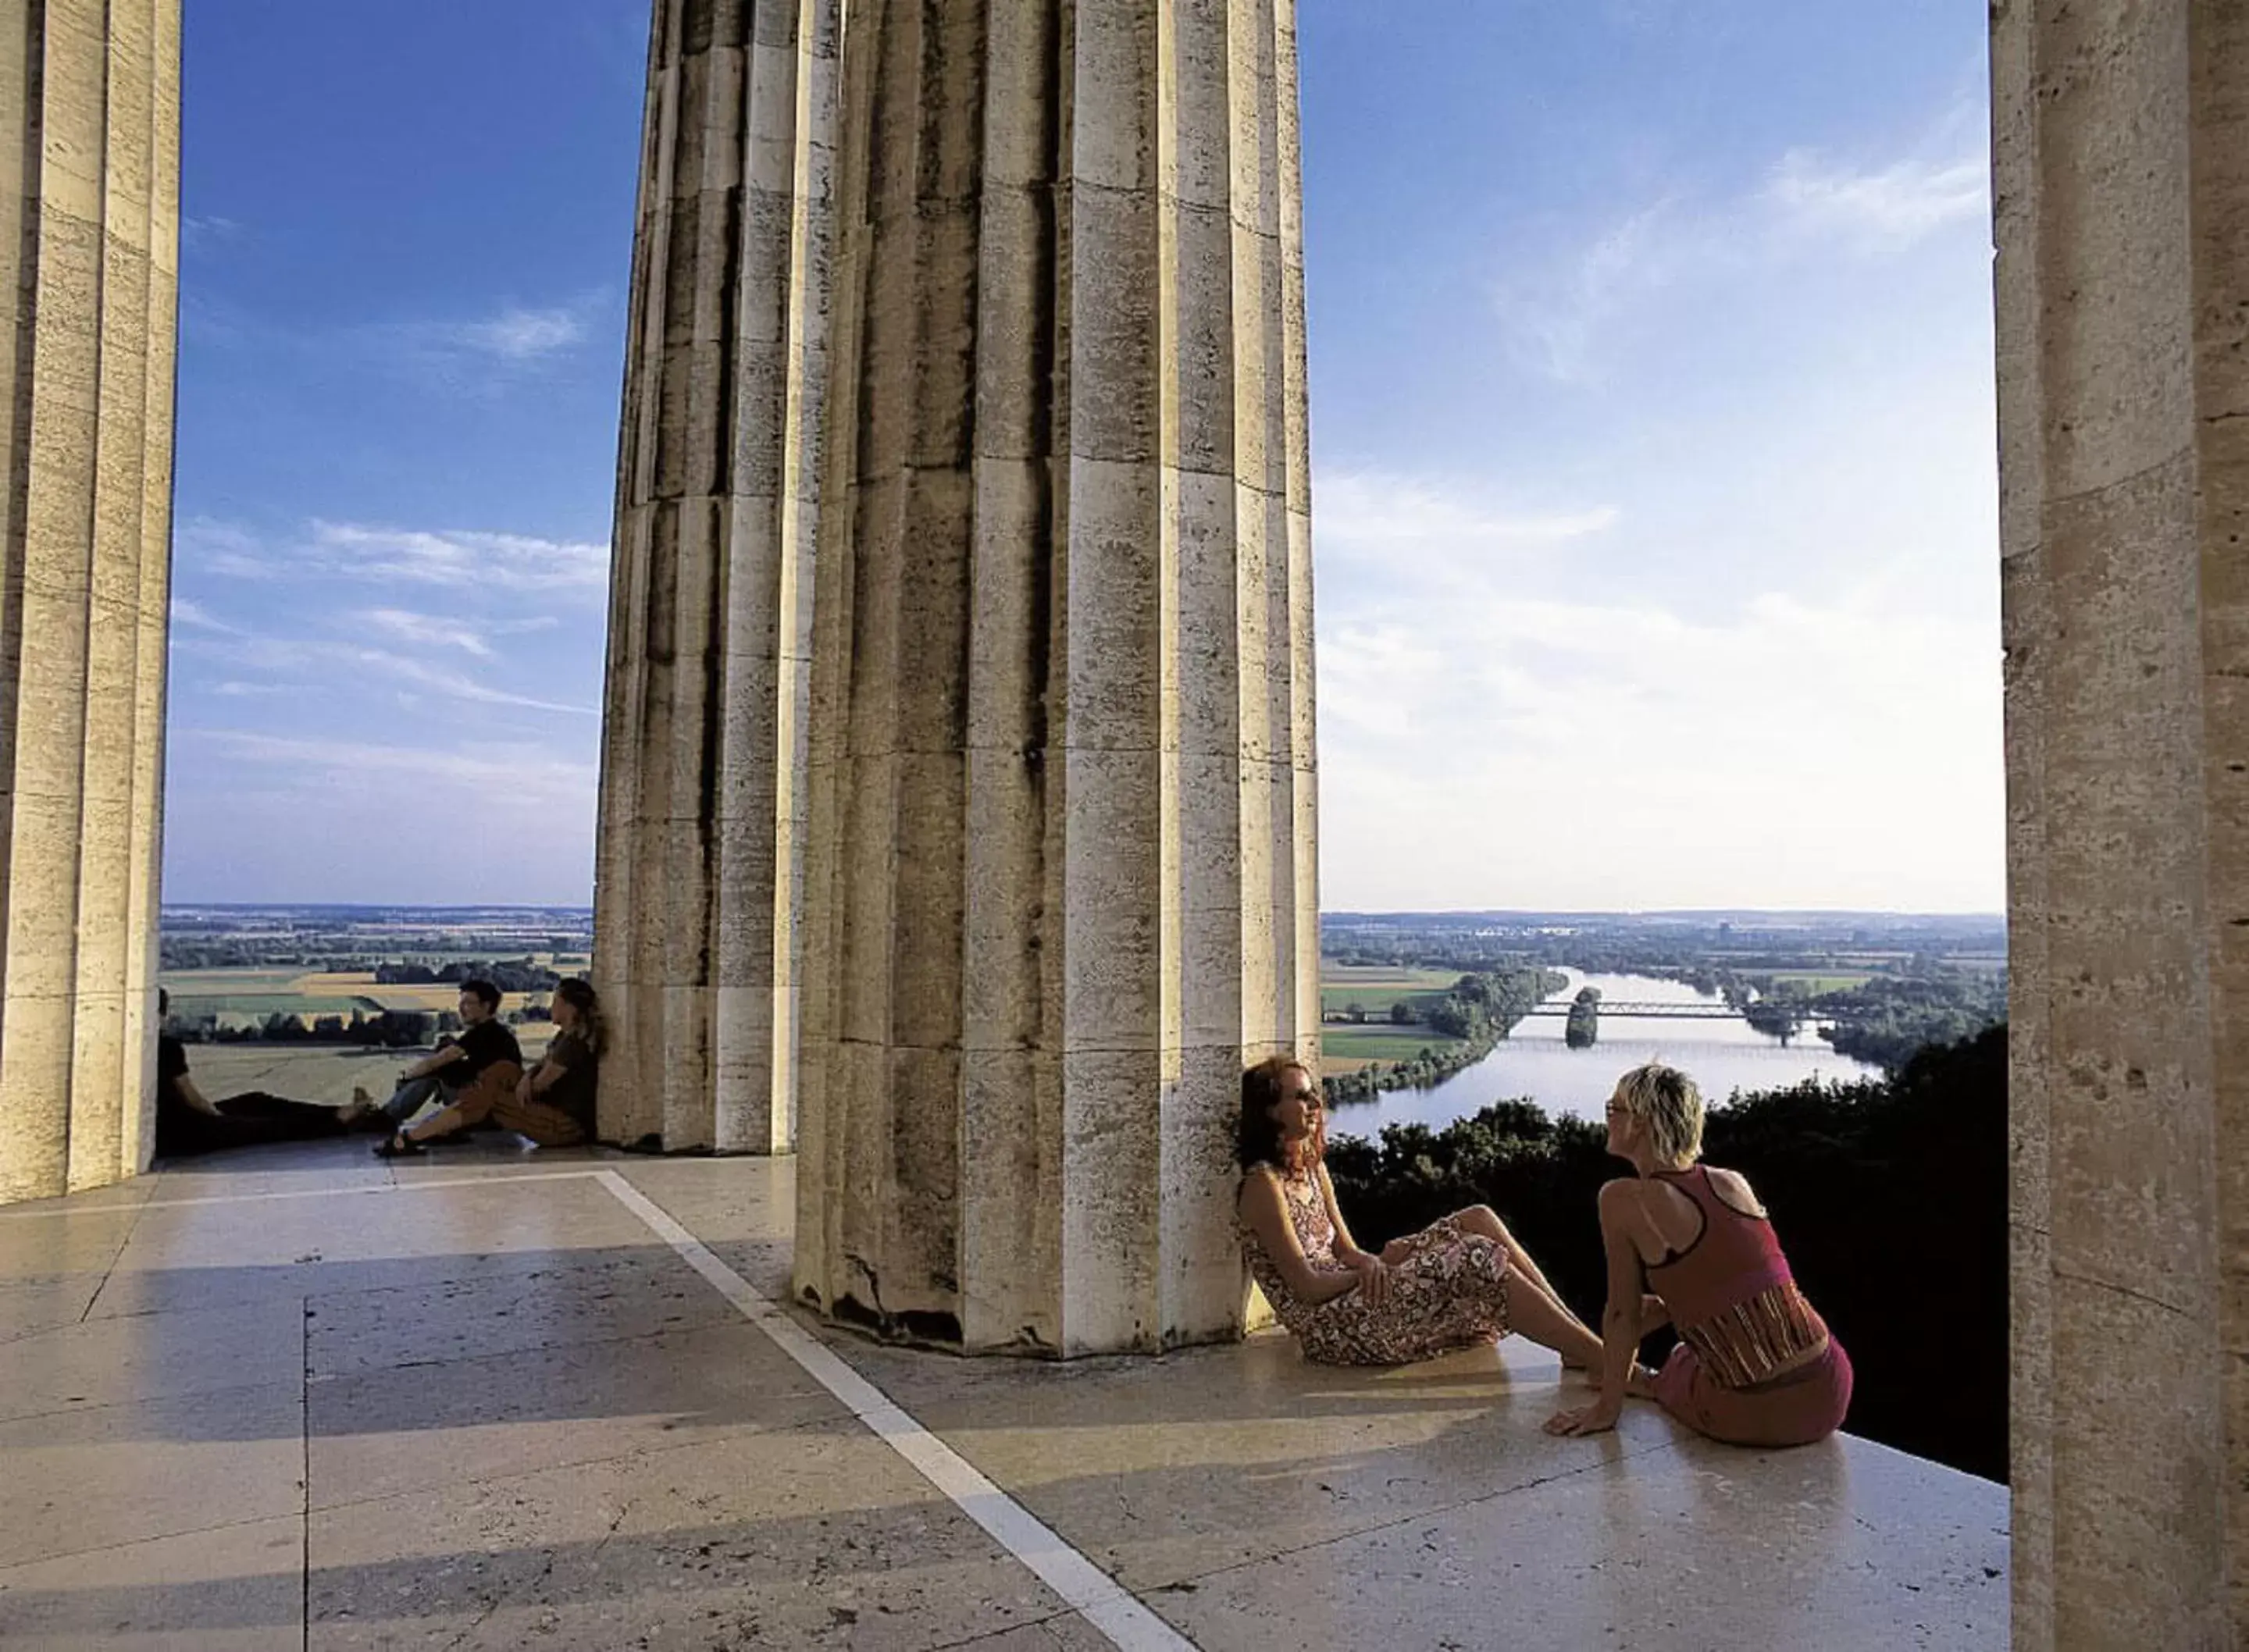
(1652, 424)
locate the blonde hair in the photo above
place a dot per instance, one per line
(1668, 1102)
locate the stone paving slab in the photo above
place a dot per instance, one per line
(102, 1475)
(515, 1415)
(383, 1433)
(228, 1589)
(1846, 1547)
(819, 1537)
(576, 1296)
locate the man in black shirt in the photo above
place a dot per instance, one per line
(483, 1043)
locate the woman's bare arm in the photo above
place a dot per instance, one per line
(1622, 1320)
(1265, 1214)
(1346, 1248)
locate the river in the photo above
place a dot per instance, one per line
(1533, 1063)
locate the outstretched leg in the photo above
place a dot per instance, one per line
(1481, 1218)
(495, 1085)
(1545, 1321)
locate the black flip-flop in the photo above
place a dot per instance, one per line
(399, 1145)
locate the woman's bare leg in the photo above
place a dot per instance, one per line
(1481, 1218)
(1533, 1313)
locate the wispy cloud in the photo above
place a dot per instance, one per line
(500, 771)
(205, 544)
(511, 561)
(505, 563)
(1890, 207)
(512, 335)
(427, 630)
(1570, 314)
(208, 230)
(1377, 514)
(303, 660)
(1483, 735)
(195, 616)
(479, 354)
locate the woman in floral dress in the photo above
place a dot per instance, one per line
(1461, 1280)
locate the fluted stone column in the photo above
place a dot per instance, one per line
(697, 872)
(89, 240)
(1061, 870)
(2121, 166)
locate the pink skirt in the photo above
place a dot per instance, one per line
(1797, 1408)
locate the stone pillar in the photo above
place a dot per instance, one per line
(2121, 169)
(697, 871)
(89, 242)
(1061, 870)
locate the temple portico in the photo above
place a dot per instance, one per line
(959, 828)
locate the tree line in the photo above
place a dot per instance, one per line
(1479, 1010)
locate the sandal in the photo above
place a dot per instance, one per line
(399, 1145)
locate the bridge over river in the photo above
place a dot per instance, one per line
(1558, 1009)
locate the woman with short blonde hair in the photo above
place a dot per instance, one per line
(1755, 1365)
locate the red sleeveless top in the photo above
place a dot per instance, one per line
(1730, 1293)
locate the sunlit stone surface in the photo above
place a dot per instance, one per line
(1061, 867)
(2122, 200)
(1054, 772)
(697, 871)
(89, 242)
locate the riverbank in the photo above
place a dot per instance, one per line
(1533, 1062)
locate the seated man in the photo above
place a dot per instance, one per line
(451, 1069)
(188, 1122)
(553, 1104)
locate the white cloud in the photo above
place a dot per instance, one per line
(303, 660)
(497, 776)
(505, 564)
(1524, 740)
(428, 630)
(480, 355)
(208, 546)
(1890, 207)
(195, 616)
(1373, 512)
(1573, 312)
(501, 561)
(515, 335)
(207, 230)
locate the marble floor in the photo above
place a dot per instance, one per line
(497, 1398)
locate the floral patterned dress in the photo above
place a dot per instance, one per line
(1450, 1292)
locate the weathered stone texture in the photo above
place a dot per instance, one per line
(1022, 792)
(702, 815)
(89, 238)
(2122, 172)
(1062, 868)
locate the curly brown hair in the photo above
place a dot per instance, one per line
(1257, 1139)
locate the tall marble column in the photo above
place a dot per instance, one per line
(89, 242)
(697, 872)
(2122, 172)
(1060, 879)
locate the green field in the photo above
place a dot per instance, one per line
(1355, 1046)
(1376, 1003)
(1374, 988)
